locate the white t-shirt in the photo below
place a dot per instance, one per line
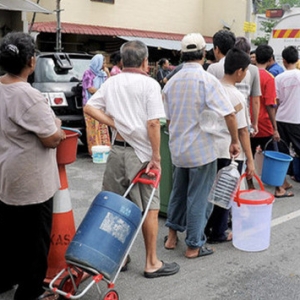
(131, 99)
(238, 101)
(288, 93)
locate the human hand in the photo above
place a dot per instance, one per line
(250, 169)
(276, 136)
(254, 130)
(234, 150)
(63, 135)
(153, 164)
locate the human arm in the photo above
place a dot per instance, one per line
(245, 143)
(92, 90)
(53, 140)
(255, 93)
(172, 73)
(234, 148)
(99, 115)
(255, 103)
(153, 129)
(271, 112)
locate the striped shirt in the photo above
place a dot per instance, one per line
(186, 95)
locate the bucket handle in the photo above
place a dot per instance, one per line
(275, 144)
(72, 129)
(237, 196)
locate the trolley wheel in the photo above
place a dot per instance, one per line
(110, 295)
(67, 286)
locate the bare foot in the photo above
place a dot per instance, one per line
(154, 267)
(191, 253)
(287, 186)
(171, 240)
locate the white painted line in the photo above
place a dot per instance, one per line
(285, 218)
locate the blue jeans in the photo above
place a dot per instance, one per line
(188, 207)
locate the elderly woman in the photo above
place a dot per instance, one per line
(97, 134)
(29, 134)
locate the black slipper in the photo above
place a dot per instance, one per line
(125, 267)
(166, 269)
(285, 195)
(165, 240)
(203, 251)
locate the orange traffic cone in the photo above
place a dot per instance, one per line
(63, 226)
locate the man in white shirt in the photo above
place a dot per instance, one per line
(288, 112)
(131, 104)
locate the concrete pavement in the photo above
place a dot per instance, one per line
(228, 274)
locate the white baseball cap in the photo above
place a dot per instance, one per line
(192, 42)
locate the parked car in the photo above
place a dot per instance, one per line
(59, 77)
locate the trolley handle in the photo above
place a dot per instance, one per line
(154, 182)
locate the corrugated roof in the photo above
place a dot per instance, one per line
(72, 28)
(22, 5)
(159, 43)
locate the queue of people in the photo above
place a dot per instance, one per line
(228, 88)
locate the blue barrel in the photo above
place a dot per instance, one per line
(275, 167)
(105, 233)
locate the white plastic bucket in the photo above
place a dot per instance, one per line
(251, 219)
(100, 154)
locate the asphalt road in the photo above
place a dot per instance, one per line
(228, 274)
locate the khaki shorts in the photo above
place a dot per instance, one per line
(121, 168)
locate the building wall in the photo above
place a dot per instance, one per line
(155, 15)
(180, 16)
(218, 13)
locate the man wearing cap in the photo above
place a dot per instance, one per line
(186, 95)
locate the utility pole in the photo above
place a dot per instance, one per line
(248, 16)
(58, 47)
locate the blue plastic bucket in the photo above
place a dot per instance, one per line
(105, 233)
(275, 167)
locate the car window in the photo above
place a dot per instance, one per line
(45, 70)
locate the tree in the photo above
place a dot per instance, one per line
(260, 6)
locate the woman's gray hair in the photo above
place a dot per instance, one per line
(133, 53)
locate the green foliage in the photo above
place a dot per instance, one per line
(290, 2)
(262, 5)
(266, 27)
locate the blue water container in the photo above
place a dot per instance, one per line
(275, 167)
(105, 234)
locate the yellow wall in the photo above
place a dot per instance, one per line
(174, 16)
(232, 12)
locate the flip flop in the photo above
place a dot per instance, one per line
(168, 248)
(203, 251)
(285, 195)
(288, 187)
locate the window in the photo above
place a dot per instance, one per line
(105, 1)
